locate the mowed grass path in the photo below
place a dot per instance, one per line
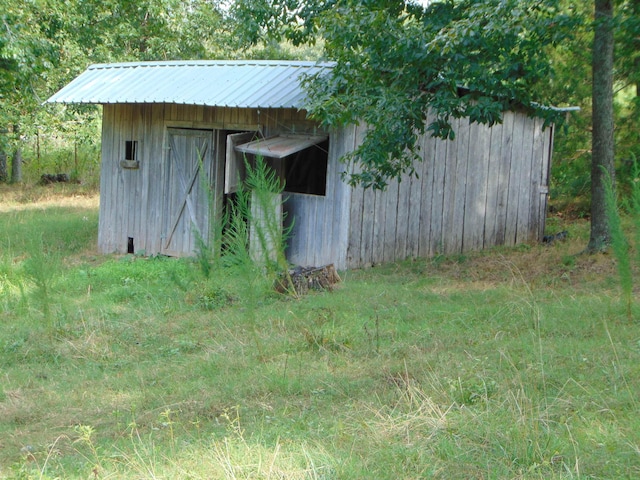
(512, 363)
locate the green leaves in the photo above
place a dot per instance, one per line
(397, 62)
(46, 43)
(275, 20)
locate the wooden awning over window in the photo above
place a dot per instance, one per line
(281, 145)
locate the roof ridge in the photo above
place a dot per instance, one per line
(204, 63)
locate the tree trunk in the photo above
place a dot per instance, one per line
(16, 166)
(635, 12)
(602, 145)
(4, 176)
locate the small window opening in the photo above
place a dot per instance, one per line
(130, 148)
(130, 248)
(306, 171)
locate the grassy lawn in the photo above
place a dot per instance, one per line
(511, 363)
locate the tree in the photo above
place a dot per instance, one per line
(461, 58)
(628, 44)
(44, 44)
(4, 176)
(26, 51)
(395, 61)
(627, 85)
(602, 151)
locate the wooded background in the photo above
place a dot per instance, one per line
(45, 44)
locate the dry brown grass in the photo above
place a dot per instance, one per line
(26, 197)
(537, 266)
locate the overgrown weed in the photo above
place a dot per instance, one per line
(620, 242)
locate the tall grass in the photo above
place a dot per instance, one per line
(503, 364)
(620, 243)
(249, 239)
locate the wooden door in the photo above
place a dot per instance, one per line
(189, 193)
(235, 169)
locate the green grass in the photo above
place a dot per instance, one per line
(513, 363)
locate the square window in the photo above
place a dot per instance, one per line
(130, 149)
(306, 171)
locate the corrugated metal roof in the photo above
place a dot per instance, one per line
(244, 84)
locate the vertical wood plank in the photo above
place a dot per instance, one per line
(137, 223)
(493, 185)
(502, 181)
(326, 220)
(404, 214)
(415, 201)
(515, 180)
(388, 227)
(539, 164)
(368, 228)
(198, 114)
(356, 205)
(476, 196)
(427, 186)
(379, 214)
(144, 156)
(544, 182)
(457, 219)
(123, 195)
(344, 142)
(450, 191)
(157, 176)
(107, 174)
(526, 186)
(437, 197)
(368, 209)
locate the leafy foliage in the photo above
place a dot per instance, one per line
(395, 63)
(276, 20)
(28, 51)
(44, 44)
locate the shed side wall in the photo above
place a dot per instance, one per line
(486, 188)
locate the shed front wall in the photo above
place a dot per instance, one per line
(133, 202)
(488, 187)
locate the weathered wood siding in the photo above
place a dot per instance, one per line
(488, 187)
(133, 202)
(321, 223)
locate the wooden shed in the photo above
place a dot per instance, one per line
(172, 131)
